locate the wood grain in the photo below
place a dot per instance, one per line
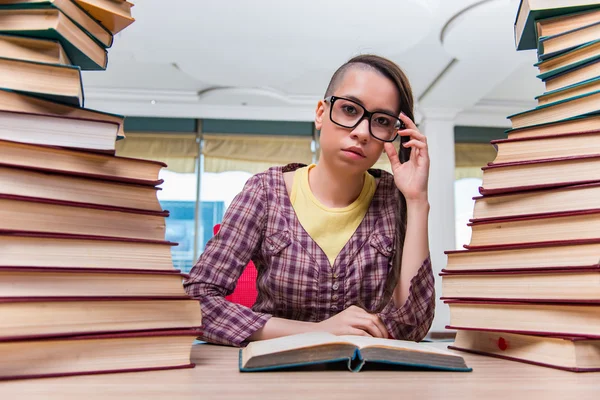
(216, 376)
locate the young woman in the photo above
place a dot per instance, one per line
(338, 247)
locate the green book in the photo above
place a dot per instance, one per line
(559, 71)
(571, 53)
(538, 108)
(55, 82)
(558, 110)
(578, 117)
(69, 8)
(81, 49)
(543, 55)
(570, 87)
(318, 348)
(531, 10)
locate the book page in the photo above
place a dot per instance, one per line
(293, 342)
(364, 342)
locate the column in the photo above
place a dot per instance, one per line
(438, 126)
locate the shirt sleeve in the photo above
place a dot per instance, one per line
(413, 320)
(216, 272)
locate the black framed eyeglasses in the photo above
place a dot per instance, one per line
(348, 114)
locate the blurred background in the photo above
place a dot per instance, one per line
(220, 90)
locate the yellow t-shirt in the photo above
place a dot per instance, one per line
(330, 228)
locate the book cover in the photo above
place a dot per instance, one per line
(93, 350)
(566, 69)
(542, 41)
(529, 11)
(77, 56)
(77, 163)
(545, 124)
(72, 13)
(554, 104)
(20, 102)
(71, 101)
(560, 352)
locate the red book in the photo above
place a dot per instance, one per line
(539, 174)
(563, 226)
(546, 147)
(67, 316)
(96, 354)
(44, 282)
(543, 201)
(574, 285)
(80, 163)
(16, 181)
(575, 354)
(25, 249)
(515, 257)
(540, 318)
(28, 214)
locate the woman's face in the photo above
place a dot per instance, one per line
(354, 149)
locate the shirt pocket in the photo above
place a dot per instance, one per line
(276, 243)
(383, 244)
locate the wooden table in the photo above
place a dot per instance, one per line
(216, 376)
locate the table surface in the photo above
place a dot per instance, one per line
(216, 376)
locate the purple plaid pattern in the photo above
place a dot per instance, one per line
(295, 279)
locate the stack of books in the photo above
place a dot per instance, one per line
(527, 287)
(87, 284)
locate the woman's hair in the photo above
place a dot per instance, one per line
(394, 73)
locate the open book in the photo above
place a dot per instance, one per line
(321, 347)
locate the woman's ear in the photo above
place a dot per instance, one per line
(319, 114)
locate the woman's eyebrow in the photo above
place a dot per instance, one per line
(382, 110)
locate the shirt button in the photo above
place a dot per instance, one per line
(335, 297)
(271, 247)
(335, 286)
(389, 248)
(333, 308)
(335, 275)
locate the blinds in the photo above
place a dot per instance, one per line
(470, 157)
(254, 153)
(178, 151)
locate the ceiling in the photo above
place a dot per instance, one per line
(272, 59)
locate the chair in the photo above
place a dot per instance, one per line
(245, 290)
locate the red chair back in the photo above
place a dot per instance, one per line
(245, 291)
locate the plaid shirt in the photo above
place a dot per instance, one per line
(295, 280)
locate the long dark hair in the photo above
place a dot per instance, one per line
(394, 73)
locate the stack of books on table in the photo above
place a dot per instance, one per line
(527, 287)
(87, 284)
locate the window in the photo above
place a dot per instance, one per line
(232, 150)
(464, 191)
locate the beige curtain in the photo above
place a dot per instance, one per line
(253, 153)
(178, 151)
(470, 157)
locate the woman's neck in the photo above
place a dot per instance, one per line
(333, 188)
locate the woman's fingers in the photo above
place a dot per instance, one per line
(418, 148)
(358, 332)
(407, 121)
(414, 134)
(392, 154)
(379, 324)
(371, 324)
